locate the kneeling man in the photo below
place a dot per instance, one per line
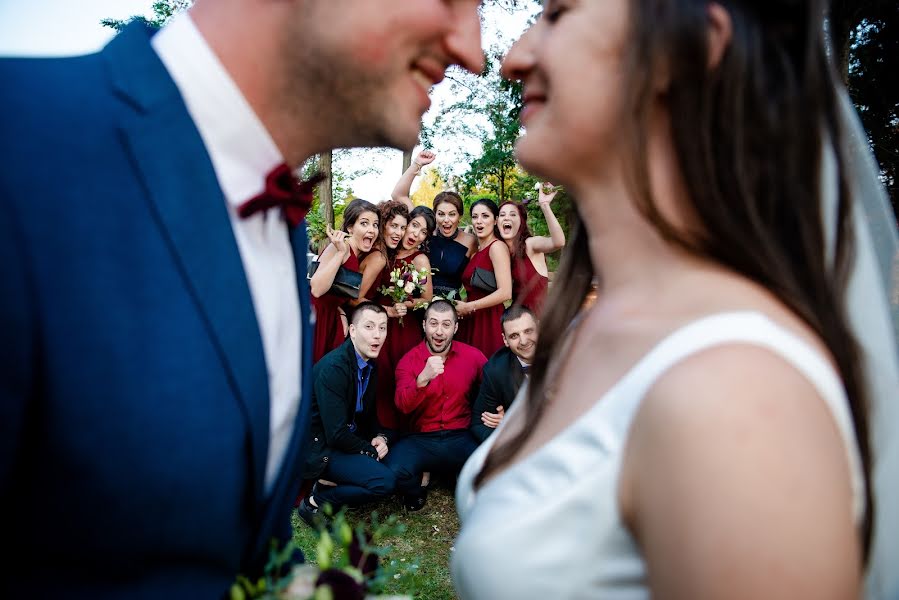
(436, 383)
(347, 443)
(505, 371)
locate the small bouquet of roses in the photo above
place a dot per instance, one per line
(406, 282)
(348, 566)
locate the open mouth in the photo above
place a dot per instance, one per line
(394, 242)
(410, 241)
(507, 228)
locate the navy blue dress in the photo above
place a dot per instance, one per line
(448, 260)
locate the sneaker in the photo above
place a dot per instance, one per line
(416, 502)
(308, 513)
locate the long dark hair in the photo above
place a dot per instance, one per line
(491, 206)
(430, 224)
(519, 247)
(749, 136)
(386, 213)
(353, 211)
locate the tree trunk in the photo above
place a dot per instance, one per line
(407, 160)
(325, 197)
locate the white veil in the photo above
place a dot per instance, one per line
(873, 303)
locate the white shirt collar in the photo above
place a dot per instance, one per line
(241, 149)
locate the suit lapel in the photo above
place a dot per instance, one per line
(191, 212)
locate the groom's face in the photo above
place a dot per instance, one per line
(374, 61)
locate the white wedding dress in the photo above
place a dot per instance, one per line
(549, 526)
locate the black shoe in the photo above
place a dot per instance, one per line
(310, 514)
(416, 502)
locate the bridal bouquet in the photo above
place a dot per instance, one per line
(406, 282)
(348, 566)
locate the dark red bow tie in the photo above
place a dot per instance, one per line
(282, 189)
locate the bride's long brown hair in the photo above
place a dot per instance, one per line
(749, 137)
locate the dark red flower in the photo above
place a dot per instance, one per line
(370, 564)
(343, 586)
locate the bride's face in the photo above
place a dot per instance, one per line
(571, 65)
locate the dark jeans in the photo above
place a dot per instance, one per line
(444, 451)
(359, 478)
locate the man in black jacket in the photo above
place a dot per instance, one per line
(505, 371)
(347, 443)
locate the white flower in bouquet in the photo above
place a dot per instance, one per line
(409, 287)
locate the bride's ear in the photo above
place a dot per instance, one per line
(720, 32)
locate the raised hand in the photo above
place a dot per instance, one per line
(433, 368)
(338, 238)
(425, 157)
(546, 192)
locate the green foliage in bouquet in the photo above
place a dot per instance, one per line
(349, 565)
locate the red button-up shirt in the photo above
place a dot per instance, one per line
(445, 403)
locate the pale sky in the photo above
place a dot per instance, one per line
(67, 27)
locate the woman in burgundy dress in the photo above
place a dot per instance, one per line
(403, 335)
(354, 240)
(480, 314)
(449, 248)
(528, 252)
(394, 217)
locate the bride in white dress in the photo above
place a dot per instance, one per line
(700, 431)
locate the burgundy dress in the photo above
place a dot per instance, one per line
(400, 339)
(328, 333)
(528, 286)
(482, 328)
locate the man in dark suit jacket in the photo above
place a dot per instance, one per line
(505, 371)
(154, 337)
(347, 441)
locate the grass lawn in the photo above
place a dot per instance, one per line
(427, 541)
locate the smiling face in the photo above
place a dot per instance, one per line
(393, 231)
(416, 233)
(571, 65)
(368, 332)
(509, 221)
(520, 336)
(483, 221)
(372, 64)
(440, 326)
(364, 231)
(448, 217)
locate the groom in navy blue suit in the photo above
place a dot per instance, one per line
(154, 325)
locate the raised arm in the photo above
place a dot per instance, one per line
(404, 185)
(334, 255)
(414, 388)
(556, 238)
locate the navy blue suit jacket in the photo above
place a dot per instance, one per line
(134, 400)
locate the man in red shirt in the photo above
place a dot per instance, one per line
(436, 383)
